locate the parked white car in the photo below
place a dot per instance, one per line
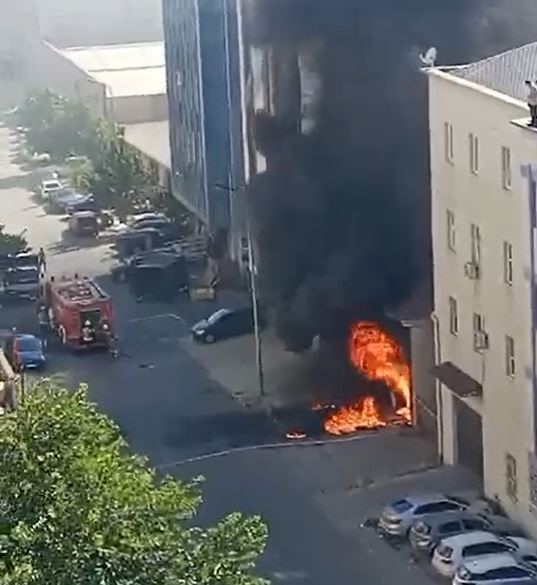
(452, 552)
(50, 186)
(496, 570)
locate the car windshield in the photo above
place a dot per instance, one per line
(22, 276)
(27, 344)
(89, 221)
(215, 317)
(401, 506)
(52, 185)
(26, 260)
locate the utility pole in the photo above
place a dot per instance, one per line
(252, 268)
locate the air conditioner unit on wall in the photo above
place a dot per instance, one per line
(471, 270)
(481, 340)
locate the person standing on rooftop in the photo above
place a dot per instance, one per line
(532, 103)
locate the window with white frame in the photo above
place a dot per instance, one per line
(475, 243)
(450, 220)
(479, 334)
(510, 362)
(506, 168)
(478, 323)
(508, 263)
(473, 143)
(511, 479)
(453, 316)
(448, 142)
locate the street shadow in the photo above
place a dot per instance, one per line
(35, 196)
(231, 429)
(21, 181)
(70, 242)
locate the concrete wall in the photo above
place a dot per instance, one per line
(62, 76)
(502, 216)
(423, 382)
(137, 109)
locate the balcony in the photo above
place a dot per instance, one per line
(524, 124)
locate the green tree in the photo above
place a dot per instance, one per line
(58, 126)
(11, 243)
(62, 127)
(119, 178)
(78, 509)
(38, 110)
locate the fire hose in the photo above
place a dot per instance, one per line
(265, 446)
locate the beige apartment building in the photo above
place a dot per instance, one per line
(483, 174)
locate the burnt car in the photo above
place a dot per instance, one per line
(133, 242)
(158, 275)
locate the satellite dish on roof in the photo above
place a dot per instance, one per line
(429, 59)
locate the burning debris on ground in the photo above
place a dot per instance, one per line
(376, 393)
(342, 210)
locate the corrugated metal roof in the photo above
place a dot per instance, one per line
(126, 70)
(505, 72)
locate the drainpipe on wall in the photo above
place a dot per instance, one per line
(439, 398)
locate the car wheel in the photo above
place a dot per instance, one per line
(209, 339)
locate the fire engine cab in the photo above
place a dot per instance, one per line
(79, 312)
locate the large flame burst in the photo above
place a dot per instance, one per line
(378, 356)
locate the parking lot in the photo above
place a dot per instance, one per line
(172, 401)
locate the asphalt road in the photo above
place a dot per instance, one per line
(170, 409)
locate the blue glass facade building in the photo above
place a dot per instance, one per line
(204, 91)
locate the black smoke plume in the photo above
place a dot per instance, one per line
(342, 212)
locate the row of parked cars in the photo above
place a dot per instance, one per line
(61, 198)
(466, 542)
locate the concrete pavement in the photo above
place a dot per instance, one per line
(172, 401)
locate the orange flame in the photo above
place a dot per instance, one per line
(364, 415)
(378, 356)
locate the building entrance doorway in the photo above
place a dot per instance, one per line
(469, 434)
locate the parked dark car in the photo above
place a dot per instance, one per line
(21, 282)
(84, 203)
(26, 352)
(84, 223)
(25, 260)
(225, 323)
(67, 198)
(19, 260)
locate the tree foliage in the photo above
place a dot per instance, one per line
(61, 127)
(57, 126)
(78, 509)
(118, 176)
(11, 243)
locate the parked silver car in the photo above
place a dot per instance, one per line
(425, 534)
(499, 569)
(397, 518)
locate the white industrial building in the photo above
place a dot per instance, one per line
(483, 175)
(121, 83)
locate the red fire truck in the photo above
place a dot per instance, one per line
(79, 312)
